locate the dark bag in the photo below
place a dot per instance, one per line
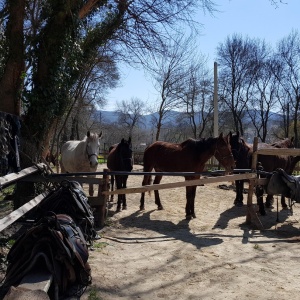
(284, 184)
(70, 199)
(57, 244)
(277, 186)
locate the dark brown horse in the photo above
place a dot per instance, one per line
(51, 158)
(242, 153)
(189, 156)
(120, 159)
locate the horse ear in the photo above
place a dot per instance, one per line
(88, 134)
(129, 140)
(221, 135)
(100, 134)
(122, 141)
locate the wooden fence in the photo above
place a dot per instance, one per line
(36, 174)
(100, 201)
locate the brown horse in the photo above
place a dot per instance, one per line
(120, 159)
(242, 153)
(189, 156)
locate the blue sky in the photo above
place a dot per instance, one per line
(253, 18)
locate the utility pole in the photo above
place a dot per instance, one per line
(216, 109)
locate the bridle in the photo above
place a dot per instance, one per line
(237, 151)
(88, 154)
(222, 158)
(124, 159)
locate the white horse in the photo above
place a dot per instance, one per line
(81, 156)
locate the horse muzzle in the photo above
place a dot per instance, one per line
(93, 158)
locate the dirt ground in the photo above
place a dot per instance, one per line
(155, 254)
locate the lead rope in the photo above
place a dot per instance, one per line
(277, 213)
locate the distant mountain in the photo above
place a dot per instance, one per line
(172, 118)
(111, 117)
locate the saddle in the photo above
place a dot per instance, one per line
(57, 244)
(69, 198)
(284, 184)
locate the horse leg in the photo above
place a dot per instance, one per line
(124, 185)
(142, 201)
(283, 203)
(156, 193)
(146, 181)
(112, 182)
(91, 186)
(190, 202)
(239, 186)
(119, 185)
(269, 201)
(259, 191)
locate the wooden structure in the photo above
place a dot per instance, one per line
(34, 174)
(41, 279)
(251, 217)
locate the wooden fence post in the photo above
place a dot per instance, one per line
(251, 214)
(105, 185)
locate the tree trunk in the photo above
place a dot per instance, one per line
(11, 82)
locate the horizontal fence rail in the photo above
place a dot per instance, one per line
(194, 182)
(212, 173)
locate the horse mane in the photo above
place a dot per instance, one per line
(92, 136)
(198, 144)
(285, 143)
(245, 144)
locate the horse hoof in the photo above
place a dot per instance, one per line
(262, 213)
(142, 207)
(160, 208)
(118, 210)
(189, 217)
(124, 207)
(194, 216)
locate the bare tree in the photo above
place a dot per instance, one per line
(169, 72)
(235, 58)
(287, 71)
(56, 39)
(131, 114)
(262, 93)
(196, 96)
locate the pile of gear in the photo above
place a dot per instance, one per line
(59, 241)
(284, 184)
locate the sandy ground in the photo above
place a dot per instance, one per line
(159, 255)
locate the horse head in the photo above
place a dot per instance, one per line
(240, 150)
(223, 153)
(92, 148)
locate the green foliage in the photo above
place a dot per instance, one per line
(93, 294)
(99, 245)
(6, 191)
